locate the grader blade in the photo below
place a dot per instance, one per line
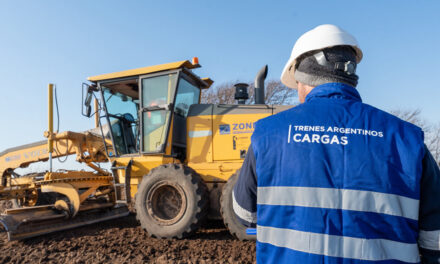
(39, 220)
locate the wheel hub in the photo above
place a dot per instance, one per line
(166, 202)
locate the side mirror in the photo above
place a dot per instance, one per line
(86, 106)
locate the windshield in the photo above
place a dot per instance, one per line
(123, 115)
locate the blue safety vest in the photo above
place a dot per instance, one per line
(338, 182)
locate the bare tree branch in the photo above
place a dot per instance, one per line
(275, 94)
(432, 132)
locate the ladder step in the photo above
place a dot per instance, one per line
(119, 168)
(119, 184)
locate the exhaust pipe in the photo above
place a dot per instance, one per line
(259, 85)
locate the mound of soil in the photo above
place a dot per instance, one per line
(123, 241)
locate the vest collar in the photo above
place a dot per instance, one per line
(334, 90)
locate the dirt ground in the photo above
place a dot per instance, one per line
(123, 241)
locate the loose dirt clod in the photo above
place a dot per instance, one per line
(123, 241)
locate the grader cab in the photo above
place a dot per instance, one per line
(174, 158)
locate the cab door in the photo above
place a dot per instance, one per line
(188, 93)
(157, 95)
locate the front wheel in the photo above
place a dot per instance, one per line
(171, 201)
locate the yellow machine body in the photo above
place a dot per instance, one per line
(216, 145)
(217, 137)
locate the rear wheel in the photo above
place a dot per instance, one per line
(236, 228)
(171, 201)
(33, 198)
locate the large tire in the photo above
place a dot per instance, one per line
(235, 227)
(171, 201)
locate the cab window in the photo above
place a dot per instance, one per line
(123, 114)
(187, 94)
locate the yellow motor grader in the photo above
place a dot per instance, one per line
(174, 158)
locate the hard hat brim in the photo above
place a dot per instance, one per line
(288, 76)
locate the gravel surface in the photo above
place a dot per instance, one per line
(123, 241)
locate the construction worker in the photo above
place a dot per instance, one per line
(334, 180)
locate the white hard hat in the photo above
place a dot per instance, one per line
(323, 36)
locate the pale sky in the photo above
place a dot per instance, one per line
(64, 42)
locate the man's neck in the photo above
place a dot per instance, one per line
(303, 91)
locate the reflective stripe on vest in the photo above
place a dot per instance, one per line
(339, 246)
(355, 200)
(429, 239)
(244, 214)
